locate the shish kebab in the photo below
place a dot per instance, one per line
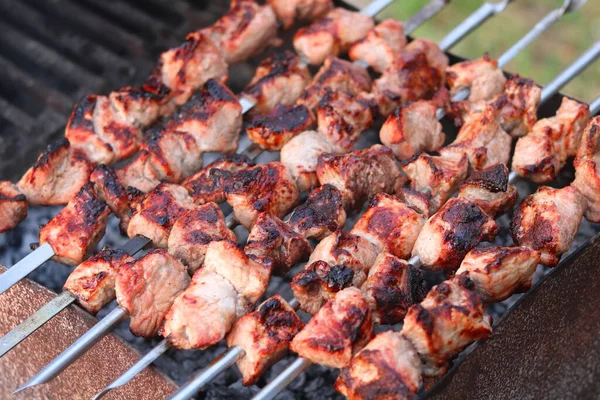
(236, 352)
(45, 251)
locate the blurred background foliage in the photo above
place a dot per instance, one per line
(541, 61)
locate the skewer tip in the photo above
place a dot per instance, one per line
(30, 383)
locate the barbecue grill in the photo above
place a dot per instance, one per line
(125, 58)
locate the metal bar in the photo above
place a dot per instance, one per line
(21, 269)
(35, 321)
(375, 7)
(74, 351)
(424, 14)
(283, 379)
(595, 106)
(220, 364)
(246, 104)
(478, 17)
(136, 244)
(136, 368)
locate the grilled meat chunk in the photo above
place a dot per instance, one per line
(57, 175)
(249, 275)
(320, 215)
(438, 176)
(435, 56)
(208, 184)
(482, 76)
(213, 117)
(194, 231)
(93, 281)
(148, 287)
(392, 287)
(138, 107)
(203, 313)
(337, 75)
(13, 206)
(489, 189)
(263, 188)
(341, 118)
(265, 335)
(482, 139)
(388, 367)
(332, 35)
(449, 319)
(361, 173)
(279, 79)
(123, 138)
(273, 130)
(140, 172)
(449, 234)
(289, 11)
(76, 230)
(158, 212)
(548, 221)
(390, 225)
(517, 105)
(497, 272)
(339, 330)
(270, 237)
(543, 152)
(587, 169)
(300, 155)
(109, 189)
(412, 129)
(187, 67)
(381, 46)
(246, 30)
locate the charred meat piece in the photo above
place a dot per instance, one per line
(412, 129)
(76, 230)
(123, 138)
(208, 184)
(497, 272)
(137, 107)
(517, 106)
(390, 225)
(438, 176)
(332, 35)
(213, 117)
(263, 188)
(13, 206)
(482, 76)
(158, 212)
(337, 75)
(203, 313)
(339, 330)
(194, 231)
(341, 118)
(449, 319)
(109, 189)
(548, 221)
(273, 130)
(248, 274)
(435, 56)
(148, 287)
(543, 152)
(93, 281)
(246, 30)
(289, 11)
(450, 233)
(301, 155)
(392, 287)
(265, 335)
(587, 169)
(388, 367)
(482, 139)
(140, 172)
(56, 176)
(361, 173)
(279, 79)
(270, 237)
(320, 215)
(186, 68)
(489, 189)
(381, 46)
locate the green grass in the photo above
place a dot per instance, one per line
(541, 61)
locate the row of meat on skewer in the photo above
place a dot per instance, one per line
(341, 101)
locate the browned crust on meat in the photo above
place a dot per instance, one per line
(493, 179)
